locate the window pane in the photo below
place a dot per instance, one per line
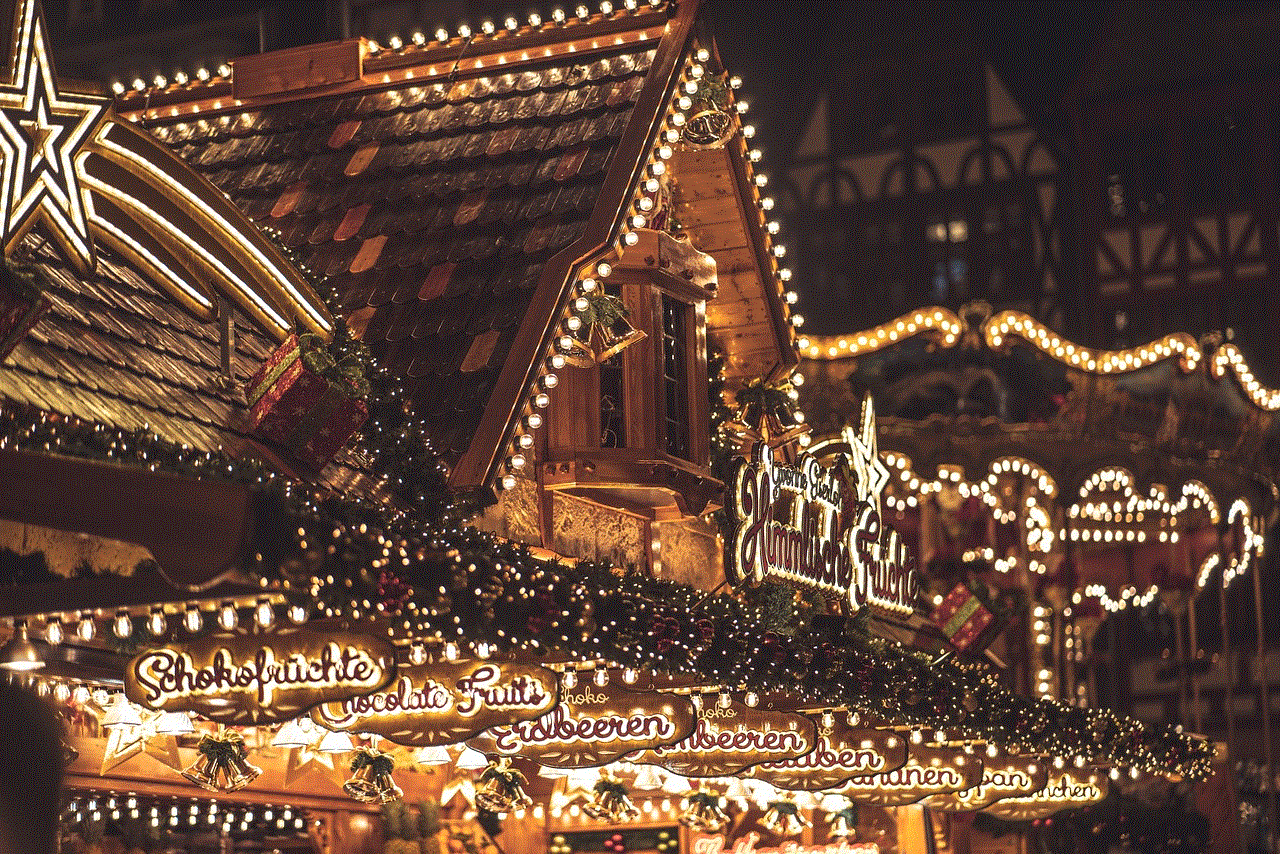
(612, 423)
(675, 377)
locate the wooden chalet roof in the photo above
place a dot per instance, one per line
(449, 192)
(449, 197)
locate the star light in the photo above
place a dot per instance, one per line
(42, 130)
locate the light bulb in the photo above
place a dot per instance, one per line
(724, 701)
(601, 678)
(122, 625)
(630, 675)
(298, 613)
(53, 631)
(752, 699)
(191, 619)
(228, 618)
(451, 651)
(156, 622)
(264, 614)
(570, 678)
(86, 629)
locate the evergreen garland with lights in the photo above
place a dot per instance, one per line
(407, 556)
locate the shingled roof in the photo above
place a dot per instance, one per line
(433, 207)
(447, 192)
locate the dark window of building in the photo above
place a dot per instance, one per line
(1135, 173)
(612, 420)
(675, 377)
(1218, 162)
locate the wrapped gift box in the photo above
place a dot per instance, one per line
(962, 617)
(22, 304)
(302, 410)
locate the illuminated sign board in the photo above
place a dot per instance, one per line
(820, 527)
(731, 738)
(928, 771)
(842, 752)
(259, 678)
(445, 702)
(1003, 776)
(747, 845)
(1064, 791)
(592, 726)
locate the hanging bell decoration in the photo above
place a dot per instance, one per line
(844, 821)
(767, 412)
(370, 781)
(710, 121)
(610, 801)
(501, 788)
(607, 330)
(703, 811)
(783, 818)
(222, 764)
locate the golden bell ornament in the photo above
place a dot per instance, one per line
(385, 790)
(610, 801)
(239, 773)
(360, 784)
(703, 812)
(203, 772)
(501, 788)
(783, 818)
(609, 341)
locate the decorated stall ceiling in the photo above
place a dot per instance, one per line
(593, 726)
(731, 737)
(87, 177)
(444, 702)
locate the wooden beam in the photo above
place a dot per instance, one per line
(196, 530)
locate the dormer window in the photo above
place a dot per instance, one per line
(640, 415)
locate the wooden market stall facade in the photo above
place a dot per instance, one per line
(387, 421)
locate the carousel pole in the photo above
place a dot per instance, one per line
(1179, 653)
(1192, 636)
(1264, 710)
(1229, 664)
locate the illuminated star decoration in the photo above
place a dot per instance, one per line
(300, 760)
(124, 743)
(42, 130)
(869, 470)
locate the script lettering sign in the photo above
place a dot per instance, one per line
(259, 678)
(445, 702)
(731, 739)
(842, 753)
(592, 726)
(1064, 791)
(928, 771)
(1003, 776)
(820, 527)
(747, 844)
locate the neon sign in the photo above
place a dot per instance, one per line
(259, 679)
(820, 527)
(732, 738)
(592, 726)
(445, 702)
